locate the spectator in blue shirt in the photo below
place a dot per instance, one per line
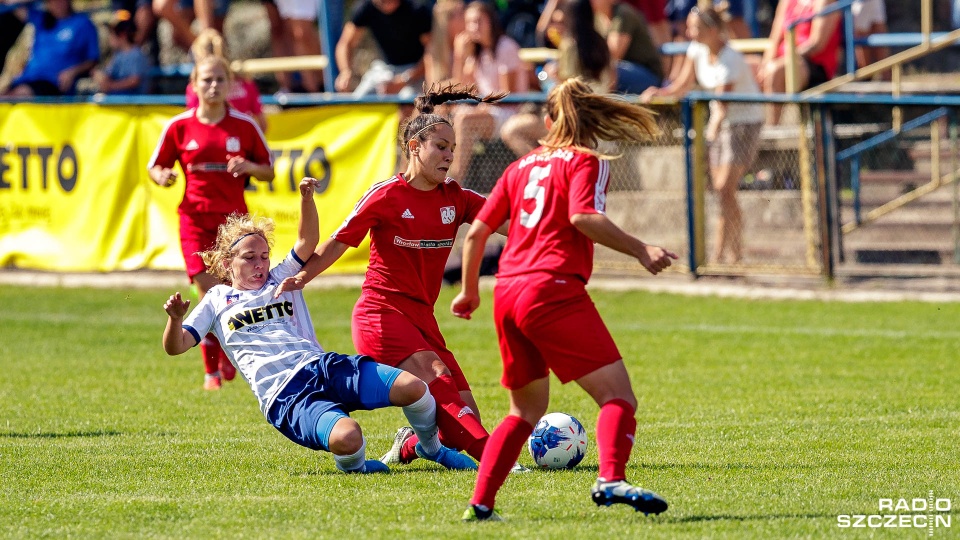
(126, 72)
(65, 48)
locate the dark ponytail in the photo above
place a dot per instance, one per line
(423, 122)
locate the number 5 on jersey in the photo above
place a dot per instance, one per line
(533, 197)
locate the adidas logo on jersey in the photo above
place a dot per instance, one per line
(192, 145)
(407, 214)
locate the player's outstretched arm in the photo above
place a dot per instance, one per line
(327, 254)
(468, 300)
(308, 232)
(176, 340)
(601, 230)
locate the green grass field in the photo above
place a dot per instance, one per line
(757, 419)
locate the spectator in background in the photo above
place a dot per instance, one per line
(635, 54)
(632, 49)
(242, 94)
(733, 131)
(655, 12)
(550, 25)
(280, 45)
(583, 54)
(65, 48)
(218, 149)
(145, 24)
(12, 22)
(300, 24)
(447, 25)
(818, 42)
(678, 12)
(402, 31)
(487, 58)
(869, 17)
(180, 14)
(127, 70)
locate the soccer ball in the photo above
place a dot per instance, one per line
(558, 442)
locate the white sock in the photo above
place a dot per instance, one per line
(422, 415)
(354, 461)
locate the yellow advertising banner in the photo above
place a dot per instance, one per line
(75, 195)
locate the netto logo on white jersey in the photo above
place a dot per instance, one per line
(407, 214)
(260, 314)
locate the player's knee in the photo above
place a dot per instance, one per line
(630, 399)
(346, 437)
(426, 365)
(407, 389)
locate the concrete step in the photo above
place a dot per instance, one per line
(888, 177)
(914, 212)
(887, 228)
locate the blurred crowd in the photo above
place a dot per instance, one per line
(615, 45)
(651, 49)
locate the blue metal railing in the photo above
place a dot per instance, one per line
(854, 152)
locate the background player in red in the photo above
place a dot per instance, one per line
(218, 149)
(412, 219)
(555, 198)
(242, 95)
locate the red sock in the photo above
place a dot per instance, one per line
(459, 427)
(503, 448)
(408, 451)
(210, 348)
(615, 431)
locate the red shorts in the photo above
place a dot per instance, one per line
(198, 232)
(390, 331)
(549, 323)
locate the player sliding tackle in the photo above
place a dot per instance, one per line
(304, 391)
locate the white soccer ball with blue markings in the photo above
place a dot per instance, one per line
(558, 442)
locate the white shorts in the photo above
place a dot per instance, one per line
(866, 13)
(301, 10)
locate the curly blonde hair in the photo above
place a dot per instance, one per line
(236, 228)
(581, 118)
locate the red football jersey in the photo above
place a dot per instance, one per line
(411, 235)
(203, 151)
(539, 193)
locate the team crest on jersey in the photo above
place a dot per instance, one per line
(233, 144)
(448, 214)
(231, 298)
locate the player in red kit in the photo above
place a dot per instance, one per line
(555, 199)
(218, 150)
(412, 219)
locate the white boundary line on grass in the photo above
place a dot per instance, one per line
(663, 284)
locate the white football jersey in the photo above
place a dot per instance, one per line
(268, 339)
